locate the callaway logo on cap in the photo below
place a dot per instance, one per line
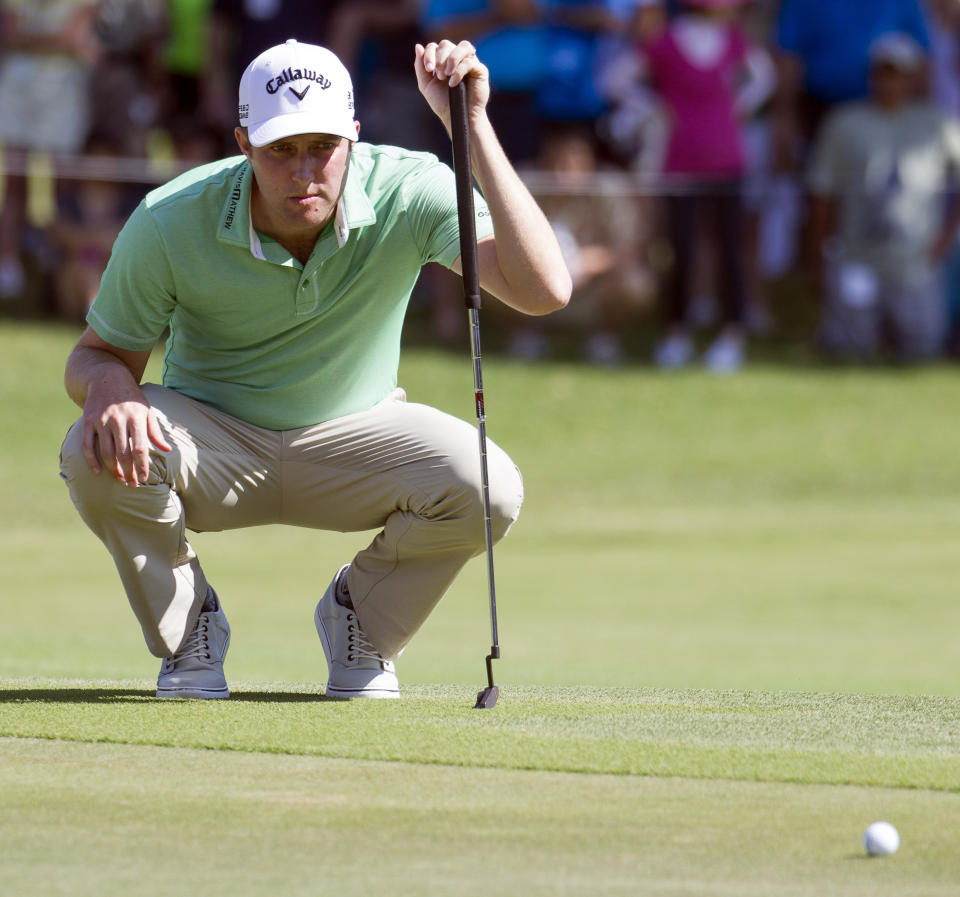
(296, 88)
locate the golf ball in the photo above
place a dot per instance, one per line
(881, 839)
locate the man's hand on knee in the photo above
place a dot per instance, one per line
(117, 436)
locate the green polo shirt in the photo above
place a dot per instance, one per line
(252, 331)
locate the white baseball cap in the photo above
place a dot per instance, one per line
(296, 88)
(898, 49)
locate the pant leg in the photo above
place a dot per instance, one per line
(682, 213)
(413, 473)
(919, 319)
(850, 325)
(218, 476)
(728, 222)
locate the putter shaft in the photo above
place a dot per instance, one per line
(460, 133)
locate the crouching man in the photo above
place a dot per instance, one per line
(283, 275)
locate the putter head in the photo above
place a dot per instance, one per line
(487, 698)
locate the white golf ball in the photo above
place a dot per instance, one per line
(881, 839)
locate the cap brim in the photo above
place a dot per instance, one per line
(896, 61)
(294, 123)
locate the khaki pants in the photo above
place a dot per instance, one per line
(408, 470)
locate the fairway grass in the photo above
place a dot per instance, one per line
(784, 529)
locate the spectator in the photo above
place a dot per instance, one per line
(48, 53)
(184, 57)
(771, 211)
(598, 232)
(90, 215)
(577, 37)
(647, 17)
(192, 141)
(373, 38)
(631, 128)
(241, 29)
(129, 79)
(879, 175)
(823, 60)
(709, 78)
(510, 37)
(944, 24)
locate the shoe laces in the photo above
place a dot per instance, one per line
(197, 644)
(358, 646)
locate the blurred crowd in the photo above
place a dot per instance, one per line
(705, 163)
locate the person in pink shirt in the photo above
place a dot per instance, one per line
(709, 79)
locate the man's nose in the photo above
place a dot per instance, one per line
(306, 169)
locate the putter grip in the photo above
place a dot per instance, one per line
(460, 134)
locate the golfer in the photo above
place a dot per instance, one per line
(283, 276)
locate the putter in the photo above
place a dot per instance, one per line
(460, 133)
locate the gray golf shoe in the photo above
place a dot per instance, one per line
(356, 668)
(196, 670)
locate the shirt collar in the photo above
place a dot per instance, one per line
(354, 209)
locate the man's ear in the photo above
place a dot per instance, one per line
(240, 135)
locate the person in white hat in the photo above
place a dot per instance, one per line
(283, 276)
(880, 223)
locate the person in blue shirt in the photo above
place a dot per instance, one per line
(542, 56)
(823, 59)
(509, 35)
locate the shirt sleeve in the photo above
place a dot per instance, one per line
(432, 209)
(137, 296)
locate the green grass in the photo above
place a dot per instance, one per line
(728, 617)
(904, 742)
(296, 825)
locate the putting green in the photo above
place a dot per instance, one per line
(907, 742)
(87, 820)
